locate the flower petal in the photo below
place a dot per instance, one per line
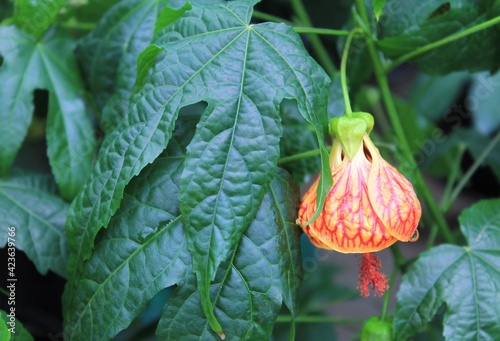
(347, 223)
(393, 197)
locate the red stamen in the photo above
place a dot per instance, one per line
(370, 275)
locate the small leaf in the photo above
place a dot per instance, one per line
(170, 15)
(378, 6)
(28, 203)
(249, 286)
(46, 64)
(466, 279)
(414, 24)
(109, 55)
(142, 252)
(35, 16)
(21, 334)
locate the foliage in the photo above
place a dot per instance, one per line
(177, 135)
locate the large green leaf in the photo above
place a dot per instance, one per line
(35, 16)
(142, 252)
(48, 64)
(466, 279)
(248, 289)
(408, 25)
(243, 72)
(20, 333)
(28, 203)
(109, 55)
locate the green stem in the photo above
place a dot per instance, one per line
(323, 31)
(388, 294)
(343, 73)
(299, 156)
(478, 162)
(455, 170)
(432, 237)
(443, 41)
(3, 291)
(316, 43)
(80, 26)
(291, 336)
(318, 319)
(383, 83)
(269, 17)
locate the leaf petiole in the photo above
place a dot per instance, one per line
(322, 53)
(318, 319)
(465, 179)
(324, 31)
(442, 42)
(299, 156)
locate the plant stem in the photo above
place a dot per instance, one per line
(291, 336)
(316, 43)
(318, 319)
(80, 26)
(323, 31)
(299, 156)
(445, 201)
(383, 83)
(269, 17)
(343, 73)
(388, 294)
(443, 41)
(465, 179)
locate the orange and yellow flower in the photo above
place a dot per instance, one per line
(370, 206)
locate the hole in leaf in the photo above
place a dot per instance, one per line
(41, 103)
(444, 8)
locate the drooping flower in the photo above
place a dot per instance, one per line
(370, 205)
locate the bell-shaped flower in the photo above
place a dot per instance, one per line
(370, 205)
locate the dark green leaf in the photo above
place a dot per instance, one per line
(378, 6)
(336, 105)
(249, 286)
(466, 279)
(35, 16)
(484, 101)
(433, 96)
(21, 334)
(298, 137)
(408, 25)
(243, 76)
(27, 202)
(439, 147)
(243, 72)
(109, 55)
(45, 64)
(142, 252)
